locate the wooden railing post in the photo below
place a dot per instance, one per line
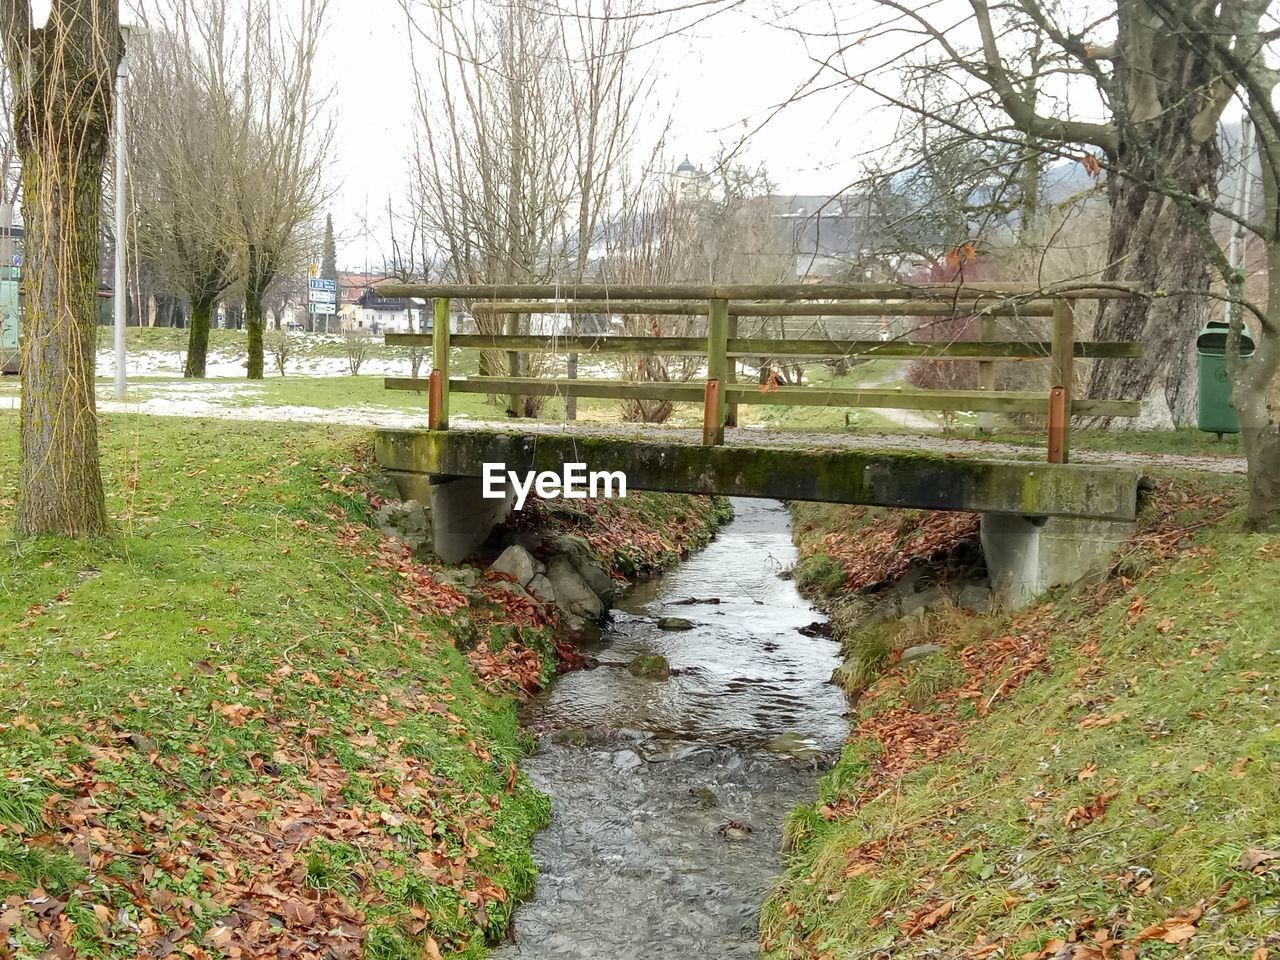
(717, 370)
(731, 376)
(438, 388)
(1062, 358)
(513, 364)
(987, 373)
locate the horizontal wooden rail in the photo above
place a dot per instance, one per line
(558, 344)
(769, 347)
(694, 392)
(973, 401)
(691, 392)
(934, 350)
(1091, 290)
(993, 306)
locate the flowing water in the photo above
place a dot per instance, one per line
(669, 796)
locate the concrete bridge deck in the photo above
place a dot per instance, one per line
(675, 461)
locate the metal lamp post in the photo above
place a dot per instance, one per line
(119, 299)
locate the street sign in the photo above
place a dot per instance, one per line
(323, 296)
(325, 308)
(331, 285)
(312, 270)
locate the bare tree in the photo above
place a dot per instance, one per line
(493, 166)
(61, 76)
(358, 346)
(1167, 77)
(280, 344)
(528, 118)
(181, 162)
(282, 130)
(607, 89)
(717, 228)
(1149, 67)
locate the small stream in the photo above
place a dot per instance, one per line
(669, 796)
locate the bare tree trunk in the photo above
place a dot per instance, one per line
(1253, 378)
(63, 125)
(253, 326)
(198, 338)
(1157, 243)
(1154, 239)
(256, 280)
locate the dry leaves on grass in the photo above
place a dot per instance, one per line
(1179, 928)
(1094, 810)
(926, 918)
(885, 548)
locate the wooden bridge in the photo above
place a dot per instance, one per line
(664, 461)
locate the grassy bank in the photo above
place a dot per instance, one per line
(1091, 778)
(243, 726)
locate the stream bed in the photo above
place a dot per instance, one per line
(669, 796)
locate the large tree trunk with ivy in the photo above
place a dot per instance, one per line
(63, 76)
(1166, 145)
(198, 338)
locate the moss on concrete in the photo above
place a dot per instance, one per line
(892, 479)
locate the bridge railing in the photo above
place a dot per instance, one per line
(722, 305)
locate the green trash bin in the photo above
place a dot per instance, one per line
(1217, 415)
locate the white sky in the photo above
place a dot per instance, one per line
(719, 80)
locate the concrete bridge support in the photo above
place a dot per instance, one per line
(461, 518)
(1028, 555)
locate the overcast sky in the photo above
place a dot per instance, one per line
(718, 81)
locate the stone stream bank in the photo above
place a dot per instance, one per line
(571, 576)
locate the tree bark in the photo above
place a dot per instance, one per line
(253, 326)
(63, 88)
(198, 338)
(258, 277)
(1154, 239)
(1252, 378)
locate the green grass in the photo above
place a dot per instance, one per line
(830, 419)
(237, 625)
(240, 701)
(1118, 785)
(819, 574)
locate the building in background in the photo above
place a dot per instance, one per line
(361, 309)
(689, 182)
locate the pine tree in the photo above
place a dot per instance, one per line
(329, 256)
